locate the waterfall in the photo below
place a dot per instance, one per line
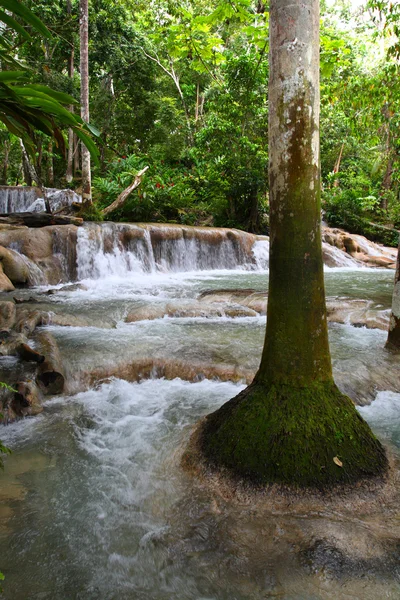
(28, 199)
(110, 249)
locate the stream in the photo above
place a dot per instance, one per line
(94, 502)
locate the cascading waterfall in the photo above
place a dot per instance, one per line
(29, 199)
(115, 249)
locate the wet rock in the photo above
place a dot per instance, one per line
(188, 310)
(146, 313)
(359, 313)
(28, 354)
(5, 284)
(8, 313)
(9, 342)
(72, 321)
(50, 376)
(358, 247)
(73, 287)
(249, 298)
(147, 368)
(28, 320)
(27, 399)
(22, 300)
(14, 266)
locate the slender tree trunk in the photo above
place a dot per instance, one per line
(30, 174)
(77, 165)
(71, 66)
(84, 51)
(336, 168)
(253, 224)
(50, 165)
(393, 341)
(4, 170)
(292, 425)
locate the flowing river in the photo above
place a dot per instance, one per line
(94, 503)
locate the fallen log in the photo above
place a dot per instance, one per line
(50, 375)
(38, 219)
(124, 195)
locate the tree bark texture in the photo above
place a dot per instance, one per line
(292, 425)
(393, 341)
(71, 67)
(84, 66)
(296, 346)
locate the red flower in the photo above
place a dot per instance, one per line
(158, 185)
(124, 156)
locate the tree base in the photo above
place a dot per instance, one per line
(310, 437)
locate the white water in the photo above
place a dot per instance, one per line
(112, 249)
(27, 199)
(94, 503)
(122, 250)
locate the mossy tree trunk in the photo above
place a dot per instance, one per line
(292, 425)
(393, 341)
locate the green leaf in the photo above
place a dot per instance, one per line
(90, 145)
(96, 132)
(11, 76)
(27, 15)
(13, 24)
(59, 96)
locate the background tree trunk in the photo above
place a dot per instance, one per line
(84, 65)
(71, 66)
(50, 165)
(393, 341)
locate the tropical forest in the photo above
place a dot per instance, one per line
(199, 299)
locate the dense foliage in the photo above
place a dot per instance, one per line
(182, 88)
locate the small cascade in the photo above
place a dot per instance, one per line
(17, 199)
(334, 257)
(116, 249)
(112, 250)
(261, 253)
(29, 199)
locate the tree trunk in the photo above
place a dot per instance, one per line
(30, 174)
(336, 168)
(50, 166)
(292, 425)
(393, 341)
(76, 155)
(253, 224)
(71, 65)
(4, 169)
(84, 51)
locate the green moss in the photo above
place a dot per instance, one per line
(290, 435)
(90, 212)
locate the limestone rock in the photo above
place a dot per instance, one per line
(5, 283)
(14, 266)
(8, 313)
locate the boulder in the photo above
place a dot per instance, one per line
(27, 399)
(14, 266)
(50, 376)
(8, 313)
(5, 283)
